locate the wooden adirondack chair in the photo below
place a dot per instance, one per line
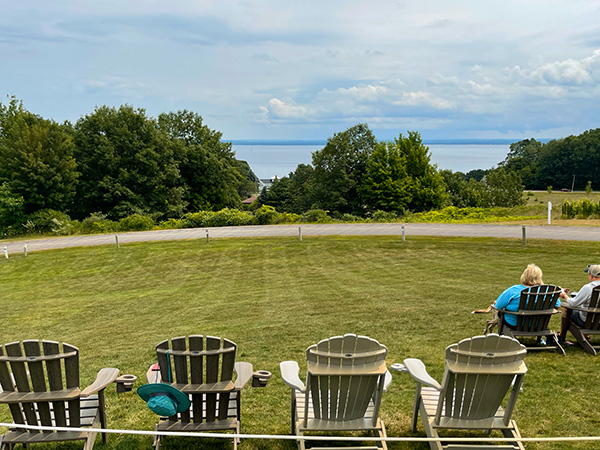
(536, 307)
(592, 322)
(479, 373)
(202, 367)
(346, 376)
(40, 384)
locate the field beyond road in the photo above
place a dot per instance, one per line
(276, 296)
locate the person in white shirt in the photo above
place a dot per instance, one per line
(582, 299)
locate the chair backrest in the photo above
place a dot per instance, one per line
(344, 373)
(40, 383)
(202, 367)
(540, 301)
(592, 321)
(479, 372)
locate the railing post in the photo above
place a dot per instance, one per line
(524, 234)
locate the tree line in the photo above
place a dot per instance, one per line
(355, 174)
(115, 162)
(570, 162)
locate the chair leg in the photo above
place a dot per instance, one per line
(576, 331)
(556, 343)
(514, 433)
(382, 434)
(157, 440)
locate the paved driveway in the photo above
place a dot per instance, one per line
(362, 229)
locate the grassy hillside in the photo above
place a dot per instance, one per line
(275, 297)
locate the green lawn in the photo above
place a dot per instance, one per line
(275, 297)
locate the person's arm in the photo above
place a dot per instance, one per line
(584, 294)
(503, 299)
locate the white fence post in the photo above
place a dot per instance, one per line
(549, 213)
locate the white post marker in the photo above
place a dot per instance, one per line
(117, 240)
(6, 252)
(24, 249)
(549, 213)
(207, 238)
(300, 234)
(402, 233)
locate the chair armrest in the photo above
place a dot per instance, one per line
(153, 374)
(103, 379)
(387, 381)
(243, 371)
(290, 375)
(417, 370)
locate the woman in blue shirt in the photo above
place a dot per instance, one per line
(509, 299)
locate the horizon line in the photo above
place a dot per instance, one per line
(467, 141)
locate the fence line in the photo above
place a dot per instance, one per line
(306, 438)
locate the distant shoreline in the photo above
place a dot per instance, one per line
(426, 142)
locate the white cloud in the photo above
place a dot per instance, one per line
(283, 110)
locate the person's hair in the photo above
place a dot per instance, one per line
(532, 276)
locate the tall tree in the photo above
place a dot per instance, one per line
(211, 175)
(36, 159)
(339, 169)
(127, 165)
(524, 158)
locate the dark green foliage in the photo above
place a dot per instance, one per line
(316, 216)
(340, 167)
(12, 212)
(98, 223)
(49, 221)
(127, 166)
(503, 188)
(36, 159)
(211, 177)
(249, 181)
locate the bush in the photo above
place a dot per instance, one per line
(384, 216)
(49, 221)
(230, 218)
(581, 209)
(98, 223)
(452, 214)
(196, 220)
(136, 222)
(316, 216)
(266, 215)
(171, 224)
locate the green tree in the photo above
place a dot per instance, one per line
(387, 185)
(211, 176)
(36, 159)
(12, 211)
(127, 165)
(524, 159)
(249, 181)
(504, 188)
(427, 185)
(339, 169)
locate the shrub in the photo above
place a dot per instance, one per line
(98, 223)
(581, 209)
(195, 220)
(266, 215)
(136, 222)
(316, 216)
(229, 218)
(171, 224)
(49, 221)
(549, 189)
(384, 216)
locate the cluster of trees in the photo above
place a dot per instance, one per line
(116, 162)
(356, 174)
(562, 163)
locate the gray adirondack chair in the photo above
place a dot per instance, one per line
(479, 373)
(536, 307)
(346, 376)
(592, 322)
(203, 368)
(40, 384)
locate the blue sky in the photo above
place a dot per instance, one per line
(304, 70)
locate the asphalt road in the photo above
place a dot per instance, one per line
(362, 229)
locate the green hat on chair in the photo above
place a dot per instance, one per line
(164, 399)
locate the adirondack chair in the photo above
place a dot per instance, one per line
(592, 322)
(479, 373)
(202, 367)
(40, 384)
(346, 376)
(536, 307)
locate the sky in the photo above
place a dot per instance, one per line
(289, 70)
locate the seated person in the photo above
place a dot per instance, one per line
(582, 299)
(509, 299)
